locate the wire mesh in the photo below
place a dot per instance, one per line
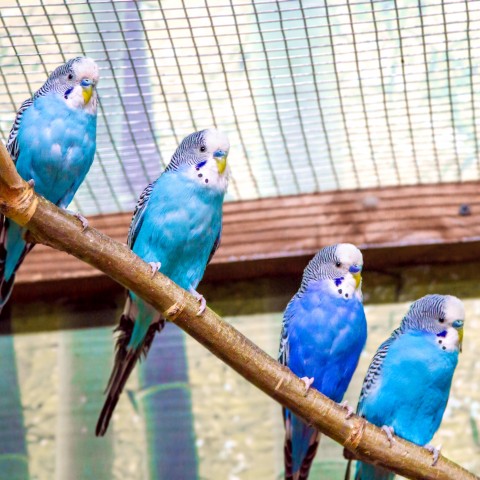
(314, 95)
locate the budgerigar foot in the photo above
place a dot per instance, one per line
(390, 432)
(308, 383)
(348, 408)
(435, 451)
(31, 182)
(80, 217)
(155, 266)
(201, 300)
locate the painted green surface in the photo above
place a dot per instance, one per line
(208, 420)
(13, 449)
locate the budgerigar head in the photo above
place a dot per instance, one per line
(443, 315)
(203, 156)
(341, 265)
(76, 82)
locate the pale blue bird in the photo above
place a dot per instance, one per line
(407, 385)
(176, 227)
(52, 143)
(324, 332)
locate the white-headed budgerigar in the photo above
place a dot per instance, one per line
(324, 332)
(176, 227)
(52, 143)
(407, 385)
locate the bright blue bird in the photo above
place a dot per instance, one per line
(407, 385)
(176, 227)
(52, 143)
(324, 332)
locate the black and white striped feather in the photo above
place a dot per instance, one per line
(138, 213)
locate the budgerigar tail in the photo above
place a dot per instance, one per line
(125, 360)
(350, 457)
(302, 472)
(348, 470)
(7, 273)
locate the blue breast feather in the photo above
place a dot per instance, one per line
(326, 336)
(59, 170)
(413, 387)
(180, 225)
(57, 147)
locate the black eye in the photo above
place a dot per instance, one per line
(441, 319)
(70, 76)
(338, 264)
(203, 148)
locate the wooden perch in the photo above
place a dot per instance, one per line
(54, 227)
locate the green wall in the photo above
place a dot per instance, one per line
(62, 352)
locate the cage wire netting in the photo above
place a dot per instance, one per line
(314, 95)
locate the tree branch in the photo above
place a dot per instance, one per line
(54, 227)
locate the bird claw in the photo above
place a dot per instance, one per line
(348, 408)
(82, 219)
(155, 266)
(308, 383)
(435, 451)
(31, 182)
(389, 432)
(201, 300)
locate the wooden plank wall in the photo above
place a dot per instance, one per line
(401, 224)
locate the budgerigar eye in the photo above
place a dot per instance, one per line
(338, 264)
(203, 148)
(441, 319)
(70, 76)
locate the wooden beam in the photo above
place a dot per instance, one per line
(393, 225)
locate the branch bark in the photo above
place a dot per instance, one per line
(51, 226)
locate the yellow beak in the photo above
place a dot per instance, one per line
(221, 163)
(358, 279)
(87, 93)
(460, 338)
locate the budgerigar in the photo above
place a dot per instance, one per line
(176, 228)
(52, 143)
(324, 332)
(408, 382)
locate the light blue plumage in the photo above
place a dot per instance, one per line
(408, 382)
(176, 227)
(324, 332)
(52, 142)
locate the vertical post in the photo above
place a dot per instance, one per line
(13, 448)
(166, 403)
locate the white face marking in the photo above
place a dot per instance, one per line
(454, 310)
(86, 68)
(348, 255)
(208, 175)
(450, 342)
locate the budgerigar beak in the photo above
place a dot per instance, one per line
(87, 93)
(458, 325)
(87, 89)
(356, 272)
(221, 159)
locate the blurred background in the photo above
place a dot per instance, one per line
(348, 122)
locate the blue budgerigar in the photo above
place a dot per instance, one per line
(52, 143)
(324, 332)
(407, 385)
(176, 227)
